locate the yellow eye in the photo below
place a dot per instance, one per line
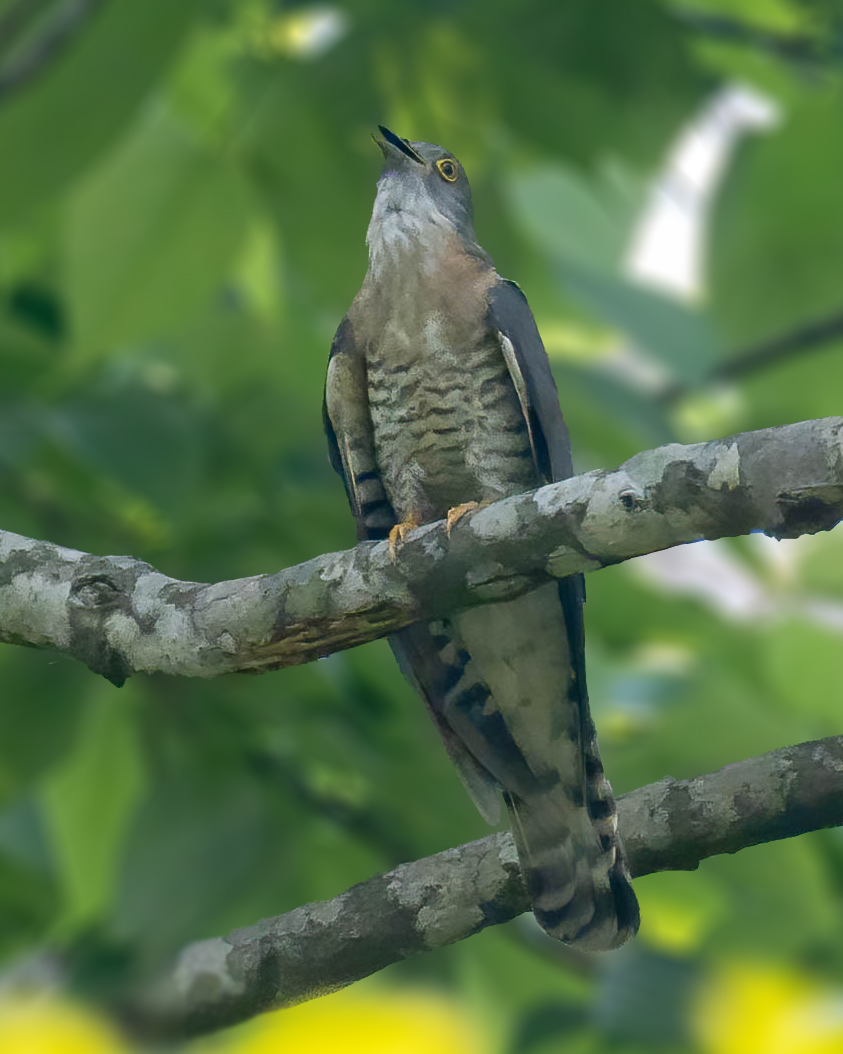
(447, 169)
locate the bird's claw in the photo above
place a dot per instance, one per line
(458, 511)
(398, 535)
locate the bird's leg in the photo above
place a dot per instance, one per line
(399, 533)
(458, 511)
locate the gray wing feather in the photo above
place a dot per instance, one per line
(342, 345)
(532, 377)
(348, 427)
(529, 367)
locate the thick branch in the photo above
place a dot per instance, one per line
(121, 616)
(319, 948)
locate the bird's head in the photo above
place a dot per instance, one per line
(421, 187)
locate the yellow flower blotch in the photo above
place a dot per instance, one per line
(418, 1023)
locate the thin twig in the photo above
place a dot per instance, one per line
(15, 19)
(806, 338)
(800, 48)
(56, 35)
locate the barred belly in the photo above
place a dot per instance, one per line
(447, 423)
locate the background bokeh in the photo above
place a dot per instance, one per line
(184, 194)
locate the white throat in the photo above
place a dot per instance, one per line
(405, 218)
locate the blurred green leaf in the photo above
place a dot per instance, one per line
(802, 660)
(680, 338)
(777, 244)
(152, 443)
(647, 996)
(24, 837)
(584, 226)
(53, 127)
(88, 800)
(782, 880)
(780, 16)
(193, 846)
(821, 564)
(582, 221)
(28, 883)
(151, 233)
(42, 697)
(567, 74)
(805, 385)
(609, 419)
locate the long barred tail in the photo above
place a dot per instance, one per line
(603, 811)
(573, 861)
(513, 711)
(532, 730)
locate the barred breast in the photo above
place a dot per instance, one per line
(447, 424)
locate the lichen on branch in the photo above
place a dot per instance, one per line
(121, 616)
(319, 948)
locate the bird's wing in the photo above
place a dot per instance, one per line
(529, 368)
(531, 375)
(351, 449)
(351, 444)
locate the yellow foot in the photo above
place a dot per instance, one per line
(459, 511)
(397, 536)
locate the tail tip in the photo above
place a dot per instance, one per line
(613, 922)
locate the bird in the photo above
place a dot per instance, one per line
(439, 399)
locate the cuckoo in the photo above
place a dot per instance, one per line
(439, 398)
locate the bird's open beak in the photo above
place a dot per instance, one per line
(392, 144)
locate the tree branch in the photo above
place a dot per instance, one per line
(800, 48)
(121, 616)
(809, 337)
(16, 17)
(54, 37)
(319, 948)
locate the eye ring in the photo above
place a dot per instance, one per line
(448, 169)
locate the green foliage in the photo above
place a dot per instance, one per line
(184, 194)
(150, 235)
(792, 240)
(100, 780)
(60, 123)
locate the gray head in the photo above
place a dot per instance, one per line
(422, 190)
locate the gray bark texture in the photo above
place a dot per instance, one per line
(121, 616)
(320, 948)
